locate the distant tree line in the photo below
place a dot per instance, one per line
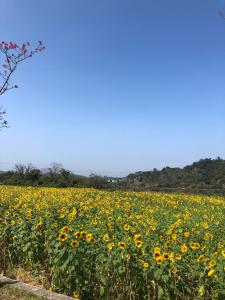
(55, 176)
(205, 176)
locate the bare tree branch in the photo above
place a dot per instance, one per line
(12, 55)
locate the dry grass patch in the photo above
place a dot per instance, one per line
(7, 292)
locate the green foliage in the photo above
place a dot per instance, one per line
(205, 176)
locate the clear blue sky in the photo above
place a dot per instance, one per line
(124, 85)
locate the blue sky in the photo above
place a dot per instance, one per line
(123, 86)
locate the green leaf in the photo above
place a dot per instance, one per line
(165, 278)
(102, 290)
(160, 292)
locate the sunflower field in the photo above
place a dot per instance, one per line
(93, 244)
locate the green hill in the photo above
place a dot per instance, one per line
(206, 175)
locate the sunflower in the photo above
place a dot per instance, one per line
(126, 227)
(211, 263)
(169, 232)
(63, 236)
(197, 246)
(138, 244)
(55, 225)
(167, 243)
(90, 238)
(158, 260)
(186, 234)
(171, 256)
(208, 236)
(106, 237)
(165, 256)
(156, 249)
(76, 294)
(77, 234)
(201, 259)
(83, 234)
(122, 245)
(48, 215)
(192, 246)
(38, 226)
(214, 254)
(66, 228)
(184, 248)
(174, 236)
(20, 221)
(70, 216)
(74, 243)
(137, 237)
(110, 246)
(205, 225)
(211, 272)
(94, 222)
(178, 256)
(145, 265)
(157, 252)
